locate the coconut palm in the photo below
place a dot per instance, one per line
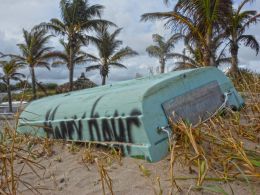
(9, 69)
(77, 18)
(34, 53)
(192, 57)
(110, 54)
(63, 57)
(236, 28)
(199, 18)
(163, 49)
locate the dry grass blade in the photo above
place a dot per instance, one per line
(105, 179)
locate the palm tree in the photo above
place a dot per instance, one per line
(77, 17)
(35, 53)
(63, 57)
(237, 25)
(192, 57)
(197, 18)
(109, 51)
(9, 69)
(163, 49)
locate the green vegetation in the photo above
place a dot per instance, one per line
(10, 69)
(35, 53)
(110, 53)
(199, 20)
(3, 88)
(78, 17)
(27, 95)
(79, 57)
(50, 86)
(192, 57)
(163, 49)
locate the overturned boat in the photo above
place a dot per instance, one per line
(128, 114)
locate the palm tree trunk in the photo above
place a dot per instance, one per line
(212, 61)
(71, 67)
(71, 74)
(9, 95)
(208, 58)
(104, 72)
(162, 66)
(33, 82)
(234, 65)
(103, 80)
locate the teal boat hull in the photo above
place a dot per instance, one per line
(128, 114)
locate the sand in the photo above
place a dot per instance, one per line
(66, 173)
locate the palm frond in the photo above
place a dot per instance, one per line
(43, 64)
(81, 60)
(184, 65)
(9, 69)
(118, 65)
(176, 21)
(222, 61)
(250, 41)
(173, 40)
(116, 33)
(16, 74)
(55, 55)
(93, 67)
(92, 58)
(158, 39)
(154, 51)
(42, 87)
(184, 58)
(92, 39)
(242, 4)
(94, 10)
(58, 63)
(95, 24)
(123, 53)
(55, 25)
(253, 20)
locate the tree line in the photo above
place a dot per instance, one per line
(212, 31)
(78, 19)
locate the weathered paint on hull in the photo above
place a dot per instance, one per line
(126, 114)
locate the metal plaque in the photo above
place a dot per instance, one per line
(195, 105)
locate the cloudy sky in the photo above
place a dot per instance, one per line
(18, 14)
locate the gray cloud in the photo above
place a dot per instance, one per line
(7, 44)
(17, 15)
